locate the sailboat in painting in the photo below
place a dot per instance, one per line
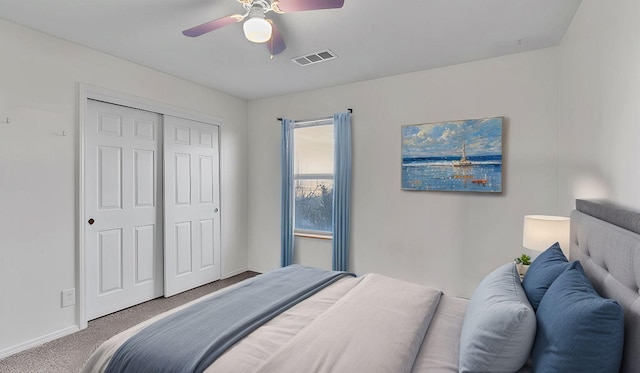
(463, 162)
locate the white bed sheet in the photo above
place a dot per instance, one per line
(432, 346)
(440, 349)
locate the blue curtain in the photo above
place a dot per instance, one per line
(287, 193)
(341, 190)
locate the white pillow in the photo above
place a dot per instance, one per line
(499, 325)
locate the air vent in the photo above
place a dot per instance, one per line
(316, 57)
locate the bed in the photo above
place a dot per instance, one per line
(373, 323)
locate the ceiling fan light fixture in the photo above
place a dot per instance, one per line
(256, 28)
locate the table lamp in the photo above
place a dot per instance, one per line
(542, 231)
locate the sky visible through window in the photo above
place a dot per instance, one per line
(313, 148)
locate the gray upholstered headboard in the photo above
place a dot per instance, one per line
(606, 240)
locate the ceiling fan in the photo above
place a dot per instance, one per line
(259, 29)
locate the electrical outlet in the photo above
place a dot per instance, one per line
(68, 297)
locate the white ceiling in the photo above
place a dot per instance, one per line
(372, 38)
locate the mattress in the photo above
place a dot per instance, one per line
(367, 323)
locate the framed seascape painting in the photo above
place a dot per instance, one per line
(459, 156)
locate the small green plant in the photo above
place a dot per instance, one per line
(524, 259)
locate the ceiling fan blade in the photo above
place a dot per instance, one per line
(276, 43)
(290, 6)
(212, 25)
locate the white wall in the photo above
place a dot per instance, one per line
(447, 240)
(39, 75)
(599, 104)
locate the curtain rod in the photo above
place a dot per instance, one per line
(313, 120)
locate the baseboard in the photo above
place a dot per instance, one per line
(233, 273)
(38, 341)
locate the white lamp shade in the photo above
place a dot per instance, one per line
(542, 231)
(257, 29)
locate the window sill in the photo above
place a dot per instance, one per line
(313, 235)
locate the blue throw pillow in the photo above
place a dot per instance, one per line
(542, 272)
(499, 325)
(578, 331)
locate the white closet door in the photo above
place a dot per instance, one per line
(192, 203)
(123, 231)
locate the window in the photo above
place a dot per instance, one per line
(316, 198)
(313, 145)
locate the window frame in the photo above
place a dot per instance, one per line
(311, 233)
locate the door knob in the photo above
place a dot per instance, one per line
(91, 221)
(215, 210)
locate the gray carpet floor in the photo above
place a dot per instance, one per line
(68, 354)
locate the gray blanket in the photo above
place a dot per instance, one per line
(191, 339)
